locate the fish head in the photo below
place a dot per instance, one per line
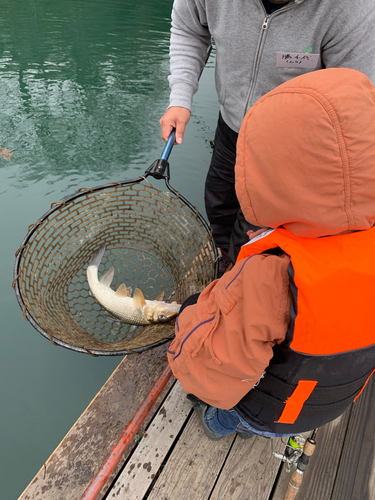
(161, 312)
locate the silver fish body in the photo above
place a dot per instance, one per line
(134, 310)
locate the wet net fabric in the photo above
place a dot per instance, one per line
(154, 242)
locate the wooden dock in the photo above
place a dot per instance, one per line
(175, 460)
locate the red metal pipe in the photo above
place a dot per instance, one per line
(128, 434)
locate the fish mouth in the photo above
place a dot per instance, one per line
(161, 313)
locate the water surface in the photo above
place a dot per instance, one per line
(83, 84)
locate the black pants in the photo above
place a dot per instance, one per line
(228, 224)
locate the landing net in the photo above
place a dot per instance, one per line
(153, 239)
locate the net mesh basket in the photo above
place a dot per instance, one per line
(153, 239)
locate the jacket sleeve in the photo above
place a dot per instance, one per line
(224, 342)
(190, 39)
(350, 41)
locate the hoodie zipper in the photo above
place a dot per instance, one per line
(257, 58)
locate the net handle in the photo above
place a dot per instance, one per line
(169, 145)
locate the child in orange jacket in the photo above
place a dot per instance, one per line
(285, 341)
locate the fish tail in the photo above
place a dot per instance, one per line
(97, 256)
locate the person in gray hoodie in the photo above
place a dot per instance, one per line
(259, 45)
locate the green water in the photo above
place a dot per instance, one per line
(82, 87)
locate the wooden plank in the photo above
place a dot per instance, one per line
(193, 466)
(76, 460)
(250, 470)
(147, 458)
(319, 478)
(356, 473)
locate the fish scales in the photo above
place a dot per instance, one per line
(121, 307)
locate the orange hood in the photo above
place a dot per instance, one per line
(306, 155)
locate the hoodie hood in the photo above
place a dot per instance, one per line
(306, 155)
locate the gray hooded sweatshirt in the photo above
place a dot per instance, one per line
(256, 52)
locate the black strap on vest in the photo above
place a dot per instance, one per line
(327, 398)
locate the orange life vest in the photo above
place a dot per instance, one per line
(329, 351)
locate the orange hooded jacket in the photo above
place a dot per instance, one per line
(306, 163)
